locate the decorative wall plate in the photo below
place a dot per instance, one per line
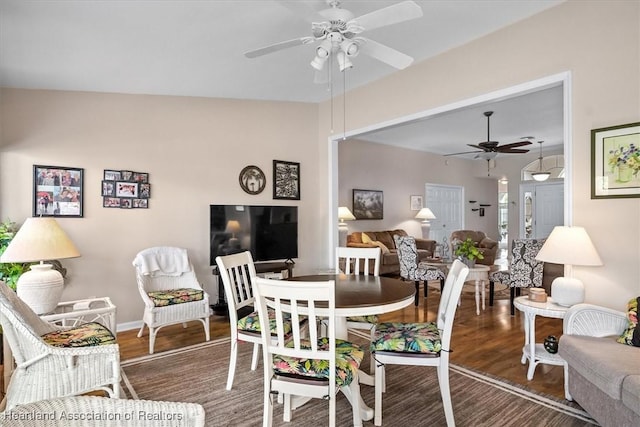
(252, 180)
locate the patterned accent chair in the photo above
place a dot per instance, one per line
(170, 290)
(421, 344)
(524, 272)
(315, 367)
(410, 269)
(52, 361)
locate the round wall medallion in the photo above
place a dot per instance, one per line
(252, 180)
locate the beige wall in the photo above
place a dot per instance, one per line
(598, 42)
(399, 173)
(194, 148)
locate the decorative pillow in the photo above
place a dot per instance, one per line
(632, 335)
(382, 246)
(366, 238)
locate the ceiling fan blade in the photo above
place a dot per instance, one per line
(393, 14)
(384, 53)
(515, 144)
(464, 152)
(512, 151)
(302, 9)
(278, 46)
(479, 147)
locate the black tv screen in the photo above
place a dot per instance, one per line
(268, 232)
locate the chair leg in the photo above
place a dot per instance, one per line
(286, 416)
(267, 413)
(379, 381)
(232, 363)
(492, 287)
(141, 330)
(425, 288)
(512, 292)
(152, 338)
(441, 285)
(207, 336)
(443, 378)
(417, 293)
(254, 358)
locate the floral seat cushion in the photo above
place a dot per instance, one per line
(373, 319)
(251, 323)
(423, 338)
(85, 335)
(175, 296)
(348, 359)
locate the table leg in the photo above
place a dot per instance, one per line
(532, 346)
(523, 359)
(477, 297)
(483, 284)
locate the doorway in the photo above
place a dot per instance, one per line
(445, 201)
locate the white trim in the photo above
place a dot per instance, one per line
(563, 78)
(127, 326)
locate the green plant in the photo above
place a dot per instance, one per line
(10, 272)
(467, 249)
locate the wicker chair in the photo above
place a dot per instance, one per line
(45, 371)
(170, 290)
(113, 412)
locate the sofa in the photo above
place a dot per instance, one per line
(389, 263)
(488, 247)
(603, 375)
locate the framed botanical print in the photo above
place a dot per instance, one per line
(615, 161)
(57, 191)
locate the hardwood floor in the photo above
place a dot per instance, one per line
(491, 342)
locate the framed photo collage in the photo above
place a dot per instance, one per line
(125, 189)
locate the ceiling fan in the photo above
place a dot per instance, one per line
(489, 149)
(337, 31)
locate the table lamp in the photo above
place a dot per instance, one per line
(425, 215)
(344, 214)
(569, 246)
(40, 239)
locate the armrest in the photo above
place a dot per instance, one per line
(429, 245)
(594, 321)
(361, 245)
(488, 243)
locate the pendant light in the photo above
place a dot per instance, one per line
(540, 175)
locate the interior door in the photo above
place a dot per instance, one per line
(542, 208)
(445, 201)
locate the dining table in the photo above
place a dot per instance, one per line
(359, 295)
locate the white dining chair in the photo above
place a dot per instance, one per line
(329, 363)
(421, 344)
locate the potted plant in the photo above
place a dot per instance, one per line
(467, 252)
(10, 272)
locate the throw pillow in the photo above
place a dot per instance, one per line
(632, 335)
(383, 248)
(366, 238)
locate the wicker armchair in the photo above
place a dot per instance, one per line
(170, 290)
(44, 371)
(92, 411)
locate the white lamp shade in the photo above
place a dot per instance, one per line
(233, 226)
(569, 245)
(39, 239)
(344, 214)
(425, 213)
(541, 176)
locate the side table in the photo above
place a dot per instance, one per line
(479, 274)
(531, 351)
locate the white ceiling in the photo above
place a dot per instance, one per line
(195, 48)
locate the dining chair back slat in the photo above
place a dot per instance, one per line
(355, 258)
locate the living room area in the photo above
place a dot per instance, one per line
(194, 146)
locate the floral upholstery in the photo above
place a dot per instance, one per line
(631, 336)
(175, 296)
(251, 323)
(348, 359)
(525, 271)
(85, 335)
(423, 338)
(410, 269)
(373, 319)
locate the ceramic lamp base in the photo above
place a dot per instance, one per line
(343, 230)
(567, 291)
(40, 288)
(426, 229)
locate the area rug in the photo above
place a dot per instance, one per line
(198, 374)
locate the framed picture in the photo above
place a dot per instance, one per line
(57, 191)
(286, 180)
(111, 175)
(416, 203)
(110, 202)
(108, 188)
(140, 177)
(367, 204)
(615, 161)
(145, 191)
(126, 189)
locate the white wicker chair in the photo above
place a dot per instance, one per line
(168, 269)
(112, 412)
(44, 371)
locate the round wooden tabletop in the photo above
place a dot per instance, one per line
(364, 295)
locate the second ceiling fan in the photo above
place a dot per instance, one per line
(489, 149)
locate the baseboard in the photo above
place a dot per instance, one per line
(121, 327)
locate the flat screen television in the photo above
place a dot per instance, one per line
(268, 232)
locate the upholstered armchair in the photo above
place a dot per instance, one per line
(488, 247)
(412, 269)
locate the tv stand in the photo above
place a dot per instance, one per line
(221, 307)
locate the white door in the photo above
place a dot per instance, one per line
(542, 208)
(445, 201)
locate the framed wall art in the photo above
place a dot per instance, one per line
(416, 203)
(125, 189)
(615, 161)
(368, 204)
(57, 191)
(286, 180)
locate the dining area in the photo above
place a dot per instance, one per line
(308, 333)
